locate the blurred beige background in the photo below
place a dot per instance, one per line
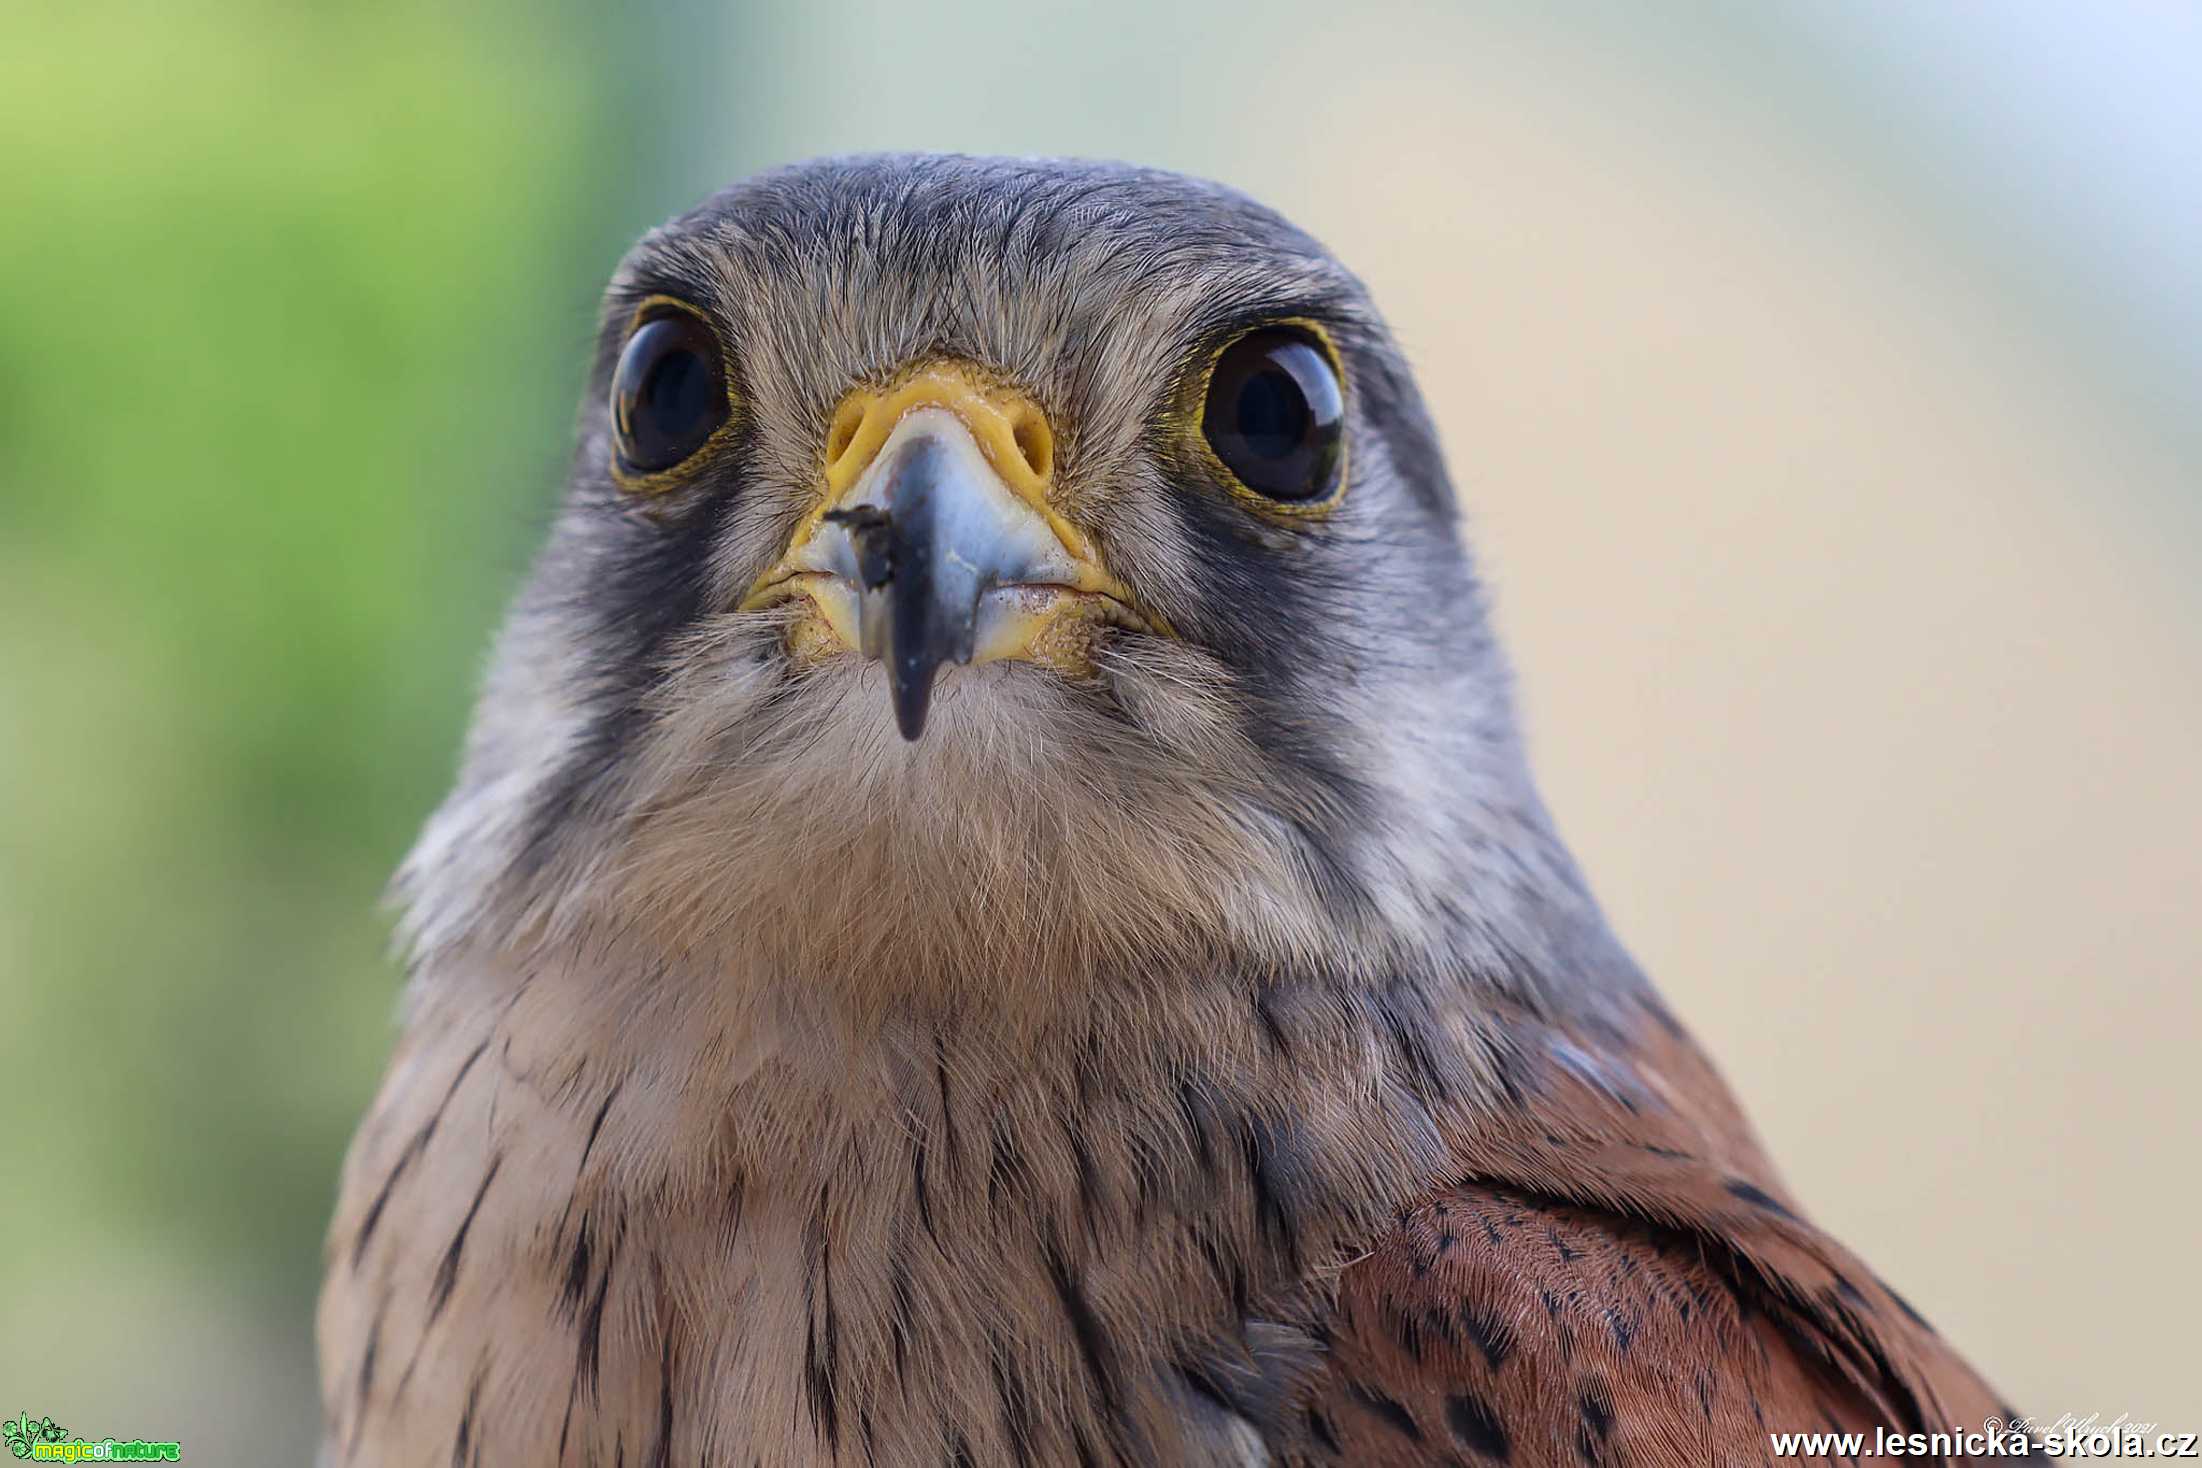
(1824, 384)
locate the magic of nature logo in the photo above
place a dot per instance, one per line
(39, 1439)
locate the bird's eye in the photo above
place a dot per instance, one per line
(668, 393)
(1276, 415)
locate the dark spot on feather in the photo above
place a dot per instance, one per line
(1265, 1012)
(1201, 1377)
(1492, 1336)
(1277, 1166)
(1594, 1405)
(1385, 1410)
(1410, 1329)
(661, 1456)
(577, 1269)
(1758, 1197)
(1405, 1015)
(1477, 1426)
(589, 1342)
(1199, 1115)
(1597, 1410)
(462, 1443)
(413, 1150)
(366, 1383)
(1905, 1305)
(821, 1356)
(1085, 1327)
(917, 1186)
(947, 1112)
(596, 1123)
(565, 1422)
(596, 1127)
(447, 1273)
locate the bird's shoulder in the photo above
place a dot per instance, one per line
(1617, 1276)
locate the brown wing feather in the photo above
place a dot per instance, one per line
(1618, 1278)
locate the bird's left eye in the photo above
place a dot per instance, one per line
(1276, 415)
(668, 393)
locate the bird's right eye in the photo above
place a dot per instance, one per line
(668, 393)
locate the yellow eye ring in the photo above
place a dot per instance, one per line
(671, 398)
(1268, 415)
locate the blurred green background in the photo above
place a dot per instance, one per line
(295, 301)
(1822, 381)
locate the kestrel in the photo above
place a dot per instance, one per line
(995, 913)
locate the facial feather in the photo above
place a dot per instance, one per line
(1304, 775)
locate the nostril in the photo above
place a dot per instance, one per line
(842, 433)
(1035, 442)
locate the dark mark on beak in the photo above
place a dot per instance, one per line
(920, 605)
(873, 531)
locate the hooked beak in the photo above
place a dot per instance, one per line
(936, 543)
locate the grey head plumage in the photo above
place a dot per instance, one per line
(1297, 752)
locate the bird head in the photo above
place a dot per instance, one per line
(975, 572)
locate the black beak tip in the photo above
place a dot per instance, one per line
(913, 699)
